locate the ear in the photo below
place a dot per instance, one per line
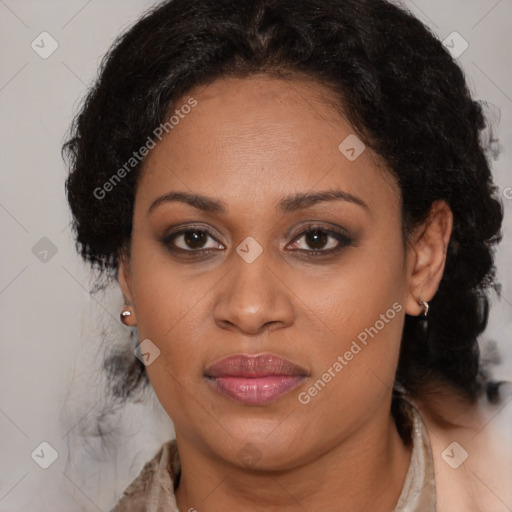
(124, 275)
(426, 256)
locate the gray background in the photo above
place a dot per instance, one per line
(51, 326)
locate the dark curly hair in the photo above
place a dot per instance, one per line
(396, 83)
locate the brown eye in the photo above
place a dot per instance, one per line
(191, 240)
(320, 240)
(316, 239)
(195, 239)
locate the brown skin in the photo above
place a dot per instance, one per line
(248, 143)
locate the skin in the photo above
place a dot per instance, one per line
(482, 482)
(249, 143)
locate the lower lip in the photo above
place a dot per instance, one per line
(256, 390)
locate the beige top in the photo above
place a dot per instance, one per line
(153, 489)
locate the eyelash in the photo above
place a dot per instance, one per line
(340, 236)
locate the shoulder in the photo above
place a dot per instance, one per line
(472, 451)
(154, 483)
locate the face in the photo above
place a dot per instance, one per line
(275, 285)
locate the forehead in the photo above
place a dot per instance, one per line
(257, 138)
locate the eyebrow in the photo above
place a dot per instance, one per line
(288, 204)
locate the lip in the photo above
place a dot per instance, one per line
(254, 379)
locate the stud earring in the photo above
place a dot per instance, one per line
(125, 313)
(124, 316)
(425, 306)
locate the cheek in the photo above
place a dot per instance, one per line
(365, 286)
(170, 312)
(362, 305)
(171, 321)
(174, 322)
(167, 296)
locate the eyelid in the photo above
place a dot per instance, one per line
(185, 227)
(319, 226)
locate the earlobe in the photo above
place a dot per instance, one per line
(127, 315)
(427, 257)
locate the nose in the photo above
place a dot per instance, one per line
(252, 298)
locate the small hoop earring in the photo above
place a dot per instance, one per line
(425, 306)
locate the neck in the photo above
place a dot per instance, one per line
(364, 471)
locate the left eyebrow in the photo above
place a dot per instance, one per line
(288, 204)
(304, 200)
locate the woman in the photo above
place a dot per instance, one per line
(299, 211)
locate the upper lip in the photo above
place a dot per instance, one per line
(254, 365)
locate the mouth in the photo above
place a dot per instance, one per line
(254, 379)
